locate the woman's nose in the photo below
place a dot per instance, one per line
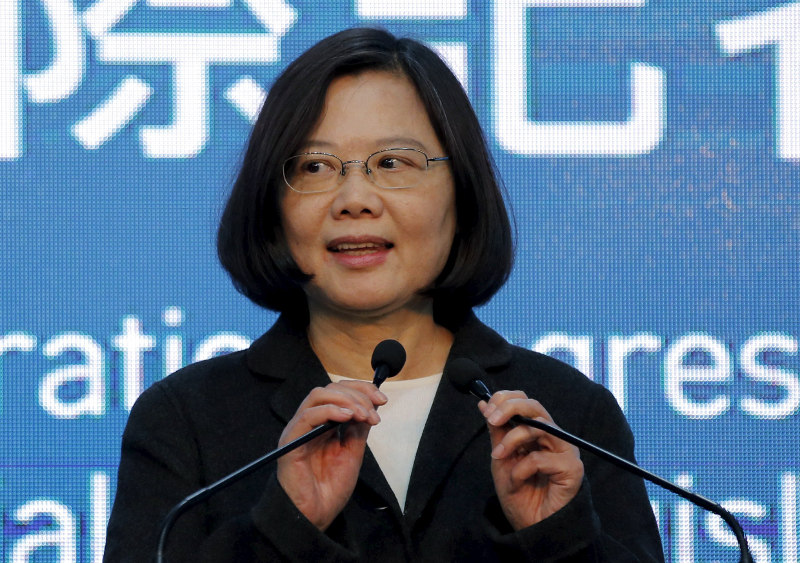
(357, 196)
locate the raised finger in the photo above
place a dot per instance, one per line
(310, 413)
(375, 395)
(507, 404)
(358, 395)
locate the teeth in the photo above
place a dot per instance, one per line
(350, 246)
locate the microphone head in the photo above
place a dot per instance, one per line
(462, 372)
(391, 355)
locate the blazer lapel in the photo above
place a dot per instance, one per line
(284, 353)
(454, 420)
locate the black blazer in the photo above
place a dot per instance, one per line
(212, 417)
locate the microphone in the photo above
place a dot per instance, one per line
(465, 375)
(388, 359)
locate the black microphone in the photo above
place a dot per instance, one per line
(388, 359)
(465, 375)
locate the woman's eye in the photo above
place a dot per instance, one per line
(316, 167)
(391, 163)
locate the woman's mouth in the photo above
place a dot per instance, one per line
(360, 252)
(359, 248)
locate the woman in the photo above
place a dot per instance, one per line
(367, 209)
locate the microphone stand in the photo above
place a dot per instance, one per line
(479, 390)
(699, 500)
(388, 359)
(205, 492)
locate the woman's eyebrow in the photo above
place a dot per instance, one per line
(399, 142)
(317, 144)
(382, 143)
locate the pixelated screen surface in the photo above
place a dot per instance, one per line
(650, 153)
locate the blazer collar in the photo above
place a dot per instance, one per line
(285, 347)
(454, 421)
(283, 353)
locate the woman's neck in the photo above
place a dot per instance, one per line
(344, 344)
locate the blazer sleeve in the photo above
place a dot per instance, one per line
(160, 465)
(610, 520)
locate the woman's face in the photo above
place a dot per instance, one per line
(372, 250)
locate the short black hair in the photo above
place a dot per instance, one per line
(251, 243)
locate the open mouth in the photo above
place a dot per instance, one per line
(359, 248)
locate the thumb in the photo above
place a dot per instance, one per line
(496, 433)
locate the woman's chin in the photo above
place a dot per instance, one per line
(363, 305)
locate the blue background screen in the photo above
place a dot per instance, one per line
(650, 151)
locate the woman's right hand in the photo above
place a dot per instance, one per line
(320, 476)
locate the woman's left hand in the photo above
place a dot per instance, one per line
(535, 474)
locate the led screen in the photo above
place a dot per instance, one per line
(649, 149)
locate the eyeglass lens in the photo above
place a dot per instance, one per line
(392, 168)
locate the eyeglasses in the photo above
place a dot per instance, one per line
(317, 172)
